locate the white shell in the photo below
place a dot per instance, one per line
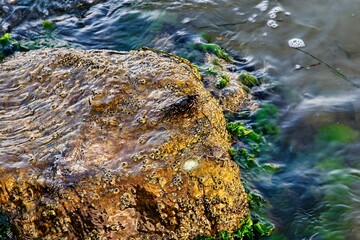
(190, 165)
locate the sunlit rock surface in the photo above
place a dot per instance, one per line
(103, 144)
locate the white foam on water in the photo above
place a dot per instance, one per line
(272, 24)
(274, 11)
(251, 20)
(272, 15)
(263, 6)
(296, 43)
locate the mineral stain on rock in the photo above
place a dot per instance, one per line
(113, 145)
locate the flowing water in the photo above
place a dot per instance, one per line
(316, 192)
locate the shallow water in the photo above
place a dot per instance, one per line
(316, 195)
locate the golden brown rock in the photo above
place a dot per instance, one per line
(113, 145)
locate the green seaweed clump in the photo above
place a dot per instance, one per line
(239, 130)
(253, 229)
(5, 39)
(248, 80)
(48, 26)
(223, 82)
(249, 230)
(216, 49)
(250, 133)
(265, 120)
(211, 71)
(8, 46)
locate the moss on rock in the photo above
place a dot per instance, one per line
(248, 80)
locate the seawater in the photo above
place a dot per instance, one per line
(316, 192)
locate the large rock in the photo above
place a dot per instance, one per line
(113, 145)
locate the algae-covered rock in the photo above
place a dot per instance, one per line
(222, 81)
(113, 145)
(248, 80)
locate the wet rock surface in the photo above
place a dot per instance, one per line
(233, 97)
(113, 145)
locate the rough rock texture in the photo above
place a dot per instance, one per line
(113, 145)
(233, 97)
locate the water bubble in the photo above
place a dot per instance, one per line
(274, 11)
(272, 24)
(296, 43)
(272, 15)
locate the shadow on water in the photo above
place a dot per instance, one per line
(315, 193)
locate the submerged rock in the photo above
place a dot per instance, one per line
(113, 145)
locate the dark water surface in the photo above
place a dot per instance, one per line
(316, 194)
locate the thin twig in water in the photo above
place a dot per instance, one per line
(221, 25)
(299, 23)
(333, 70)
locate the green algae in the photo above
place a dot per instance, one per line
(211, 71)
(215, 62)
(247, 230)
(336, 133)
(248, 80)
(240, 131)
(330, 163)
(338, 210)
(8, 46)
(253, 130)
(5, 39)
(215, 49)
(258, 225)
(48, 26)
(251, 229)
(249, 133)
(207, 37)
(223, 81)
(265, 119)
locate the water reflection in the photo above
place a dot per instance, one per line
(317, 194)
